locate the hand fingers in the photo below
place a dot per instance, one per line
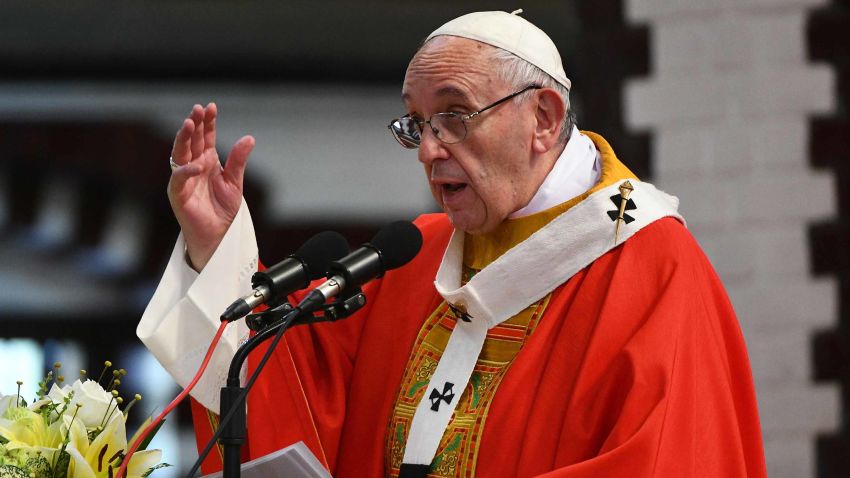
(198, 135)
(234, 168)
(210, 113)
(182, 174)
(181, 152)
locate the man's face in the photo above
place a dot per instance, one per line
(487, 176)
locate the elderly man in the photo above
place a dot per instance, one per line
(574, 328)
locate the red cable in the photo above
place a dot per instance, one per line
(124, 463)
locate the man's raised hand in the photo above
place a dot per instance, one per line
(204, 196)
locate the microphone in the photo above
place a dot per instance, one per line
(393, 246)
(310, 262)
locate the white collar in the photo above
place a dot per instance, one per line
(576, 171)
(534, 267)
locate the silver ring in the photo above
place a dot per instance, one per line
(172, 163)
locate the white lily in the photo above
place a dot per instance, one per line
(29, 436)
(102, 457)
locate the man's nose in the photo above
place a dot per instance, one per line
(430, 147)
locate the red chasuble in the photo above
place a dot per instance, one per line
(636, 368)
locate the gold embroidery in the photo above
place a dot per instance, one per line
(212, 421)
(458, 450)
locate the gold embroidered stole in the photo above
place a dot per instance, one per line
(458, 450)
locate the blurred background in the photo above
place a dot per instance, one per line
(739, 107)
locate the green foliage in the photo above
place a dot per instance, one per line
(62, 464)
(38, 467)
(9, 471)
(147, 440)
(154, 468)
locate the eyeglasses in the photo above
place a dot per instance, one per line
(448, 127)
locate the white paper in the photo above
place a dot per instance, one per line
(294, 461)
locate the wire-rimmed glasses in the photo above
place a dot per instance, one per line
(448, 127)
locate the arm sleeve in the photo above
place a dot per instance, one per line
(183, 314)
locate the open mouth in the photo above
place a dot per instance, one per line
(454, 187)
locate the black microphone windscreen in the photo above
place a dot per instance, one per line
(399, 242)
(320, 250)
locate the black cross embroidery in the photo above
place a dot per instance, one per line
(630, 206)
(447, 396)
(460, 313)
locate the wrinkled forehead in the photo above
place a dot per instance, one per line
(448, 65)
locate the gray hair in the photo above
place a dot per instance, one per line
(515, 71)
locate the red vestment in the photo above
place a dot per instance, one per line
(637, 368)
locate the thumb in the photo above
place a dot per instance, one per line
(234, 168)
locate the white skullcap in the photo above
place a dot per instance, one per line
(512, 33)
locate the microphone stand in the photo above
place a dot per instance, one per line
(267, 324)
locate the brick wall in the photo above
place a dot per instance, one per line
(597, 81)
(829, 41)
(728, 104)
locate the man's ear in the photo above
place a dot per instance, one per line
(549, 115)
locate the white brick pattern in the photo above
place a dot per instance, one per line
(727, 103)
